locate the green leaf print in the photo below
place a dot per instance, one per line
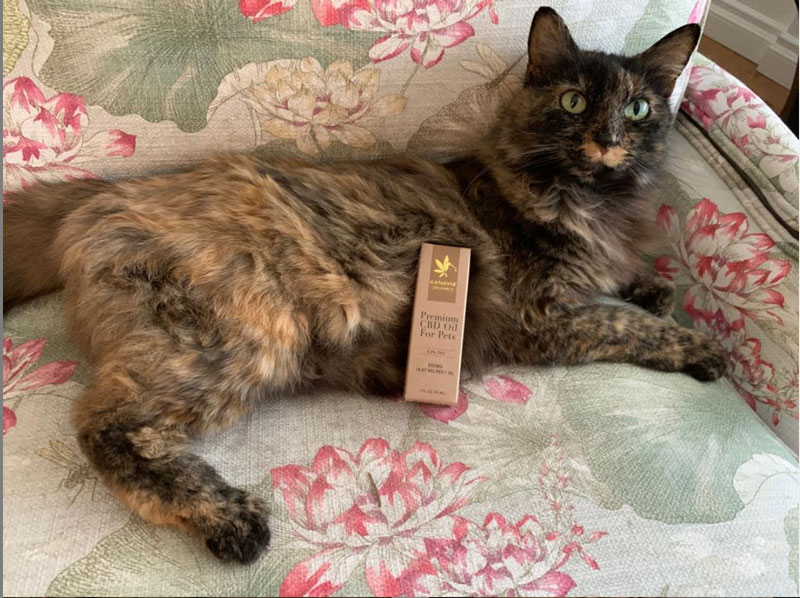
(657, 16)
(128, 557)
(141, 559)
(510, 440)
(165, 60)
(665, 444)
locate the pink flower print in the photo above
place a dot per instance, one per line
(428, 27)
(746, 368)
(784, 399)
(715, 98)
(18, 377)
(445, 413)
(257, 10)
(729, 271)
(9, 419)
(777, 155)
(754, 377)
(43, 138)
(374, 508)
(394, 514)
(503, 388)
(506, 389)
(781, 399)
(501, 558)
(731, 280)
(341, 12)
(778, 394)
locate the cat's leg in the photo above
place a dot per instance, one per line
(651, 292)
(618, 334)
(138, 443)
(377, 368)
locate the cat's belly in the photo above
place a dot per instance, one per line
(260, 296)
(243, 321)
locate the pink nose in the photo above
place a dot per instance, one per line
(603, 150)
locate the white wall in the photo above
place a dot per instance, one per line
(763, 31)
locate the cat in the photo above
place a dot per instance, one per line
(199, 294)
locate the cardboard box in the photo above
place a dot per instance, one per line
(437, 325)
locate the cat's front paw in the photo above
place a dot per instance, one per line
(705, 359)
(240, 533)
(653, 293)
(660, 297)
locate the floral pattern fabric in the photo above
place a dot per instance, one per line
(513, 496)
(731, 282)
(427, 27)
(403, 531)
(719, 100)
(19, 379)
(604, 479)
(738, 265)
(43, 138)
(330, 79)
(312, 106)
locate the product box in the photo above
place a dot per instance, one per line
(437, 325)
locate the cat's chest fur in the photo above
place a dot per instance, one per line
(590, 242)
(598, 245)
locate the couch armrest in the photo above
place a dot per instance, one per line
(751, 136)
(731, 216)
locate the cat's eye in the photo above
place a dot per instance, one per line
(637, 110)
(573, 102)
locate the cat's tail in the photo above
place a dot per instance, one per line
(32, 218)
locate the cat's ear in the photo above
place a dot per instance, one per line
(667, 57)
(548, 40)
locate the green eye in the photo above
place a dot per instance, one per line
(573, 102)
(637, 110)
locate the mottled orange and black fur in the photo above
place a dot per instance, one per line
(196, 296)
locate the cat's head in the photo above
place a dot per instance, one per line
(590, 116)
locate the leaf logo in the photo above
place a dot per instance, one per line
(443, 266)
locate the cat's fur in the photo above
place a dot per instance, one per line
(196, 296)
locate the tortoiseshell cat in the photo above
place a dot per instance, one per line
(197, 295)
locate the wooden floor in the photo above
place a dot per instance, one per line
(773, 93)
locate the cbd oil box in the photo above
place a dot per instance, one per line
(437, 325)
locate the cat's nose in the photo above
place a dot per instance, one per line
(609, 155)
(606, 141)
(594, 151)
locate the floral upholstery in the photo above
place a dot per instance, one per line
(735, 253)
(596, 480)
